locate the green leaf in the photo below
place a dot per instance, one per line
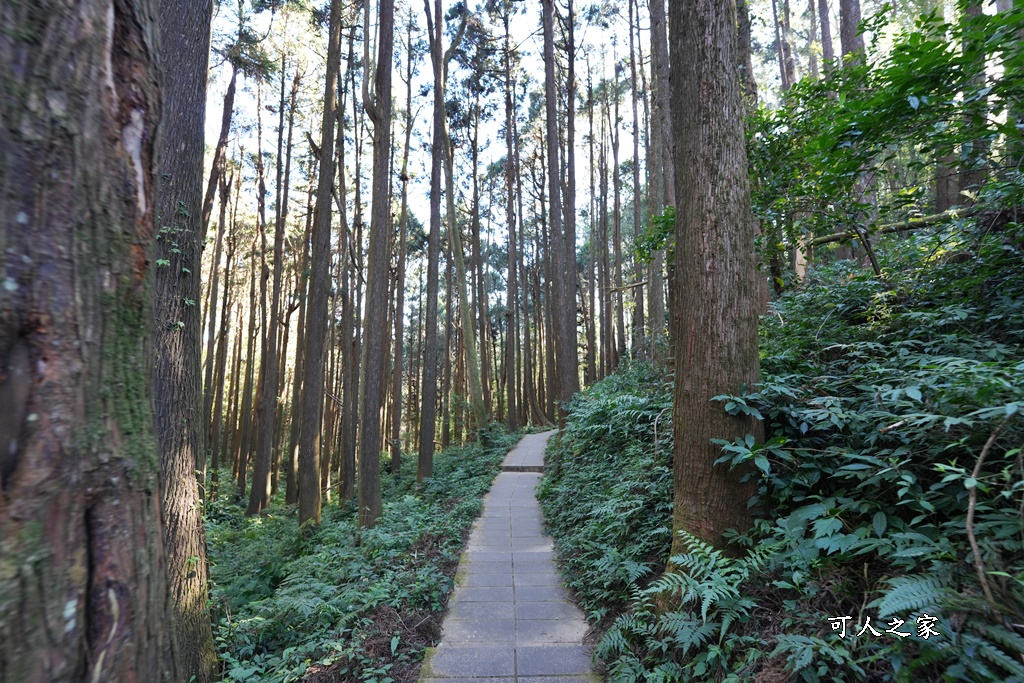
(878, 523)
(762, 463)
(914, 393)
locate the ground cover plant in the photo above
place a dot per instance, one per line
(342, 603)
(893, 446)
(890, 483)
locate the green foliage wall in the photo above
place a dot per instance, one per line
(879, 395)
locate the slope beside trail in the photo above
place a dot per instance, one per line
(510, 619)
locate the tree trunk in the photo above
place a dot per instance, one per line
(259, 490)
(638, 292)
(617, 293)
(378, 107)
(780, 49)
(716, 337)
(245, 421)
(439, 60)
(563, 295)
(319, 284)
(180, 422)
(291, 476)
(827, 50)
(212, 337)
(787, 44)
(659, 166)
(220, 151)
(591, 374)
(474, 385)
(477, 265)
(349, 290)
(745, 60)
(222, 354)
(973, 175)
(396, 411)
(259, 496)
(850, 40)
(512, 316)
(812, 37)
(568, 366)
(83, 584)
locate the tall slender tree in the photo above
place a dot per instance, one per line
(659, 167)
(180, 423)
(413, 53)
(439, 59)
(378, 107)
(638, 295)
(512, 316)
(316, 310)
(563, 293)
(717, 292)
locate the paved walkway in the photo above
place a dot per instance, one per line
(510, 619)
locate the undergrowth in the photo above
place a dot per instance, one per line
(879, 396)
(345, 604)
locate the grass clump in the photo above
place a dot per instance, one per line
(343, 603)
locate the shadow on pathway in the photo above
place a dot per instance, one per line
(510, 619)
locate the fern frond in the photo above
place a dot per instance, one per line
(912, 594)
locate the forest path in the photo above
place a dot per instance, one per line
(510, 619)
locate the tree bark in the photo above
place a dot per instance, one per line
(827, 50)
(259, 494)
(179, 419)
(716, 338)
(222, 355)
(746, 60)
(850, 40)
(220, 151)
(83, 580)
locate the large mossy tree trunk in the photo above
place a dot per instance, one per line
(180, 421)
(83, 589)
(716, 285)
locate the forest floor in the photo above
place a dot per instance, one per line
(345, 604)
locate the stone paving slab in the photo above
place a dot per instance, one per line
(528, 455)
(510, 619)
